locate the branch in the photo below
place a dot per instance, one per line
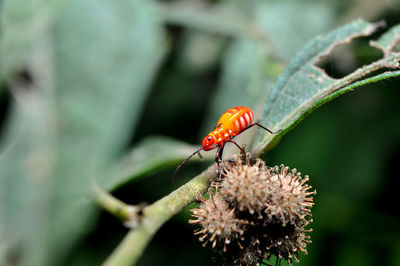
(128, 214)
(155, 215)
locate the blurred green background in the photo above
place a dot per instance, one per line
(84, 82)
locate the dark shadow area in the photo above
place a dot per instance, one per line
(346, 58)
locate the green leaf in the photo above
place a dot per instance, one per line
(218, 18)
(230, 18)
(303, 86)
(91, 75)
(302, 21)
(23, 23)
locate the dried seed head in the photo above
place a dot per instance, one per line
(244, 185)
(288, 197)
(218, 221)
(285, 241)
(262, 211)
(251, 254)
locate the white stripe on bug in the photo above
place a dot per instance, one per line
(247, 118)
(237, 125)
(242, 122)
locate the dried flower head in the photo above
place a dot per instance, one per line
(288, 195)
(264, 211)
(219, 222)
(244, 185)
(285, 241)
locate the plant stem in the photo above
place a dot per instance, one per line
(155, 215)
(126, 213)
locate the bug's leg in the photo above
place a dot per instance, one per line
(218, 158)
(218, 155)
(272, 132)
(257, 124)
(237, 145)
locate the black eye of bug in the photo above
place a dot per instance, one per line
(209, 138)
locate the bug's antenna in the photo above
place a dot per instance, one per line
(182, 163)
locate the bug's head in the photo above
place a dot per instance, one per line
(207, 142)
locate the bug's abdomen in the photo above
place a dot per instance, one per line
(231, 123)
(234, 120)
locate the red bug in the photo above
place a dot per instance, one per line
(233, 122)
